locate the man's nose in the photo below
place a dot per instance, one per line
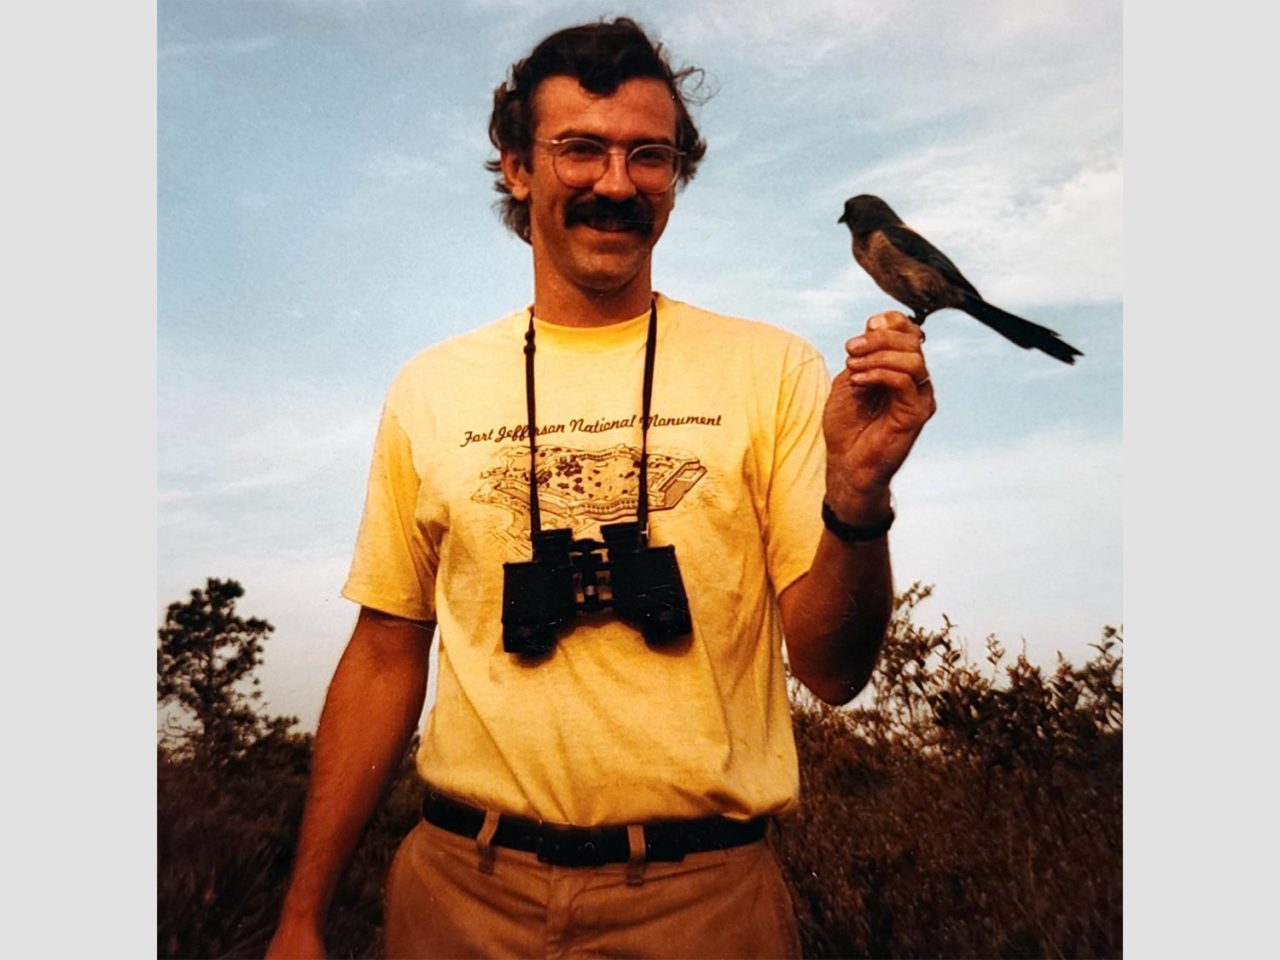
(615, 183)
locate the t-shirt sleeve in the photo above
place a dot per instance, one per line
(793, 525)
(394, 567)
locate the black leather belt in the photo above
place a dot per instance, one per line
(565, 846)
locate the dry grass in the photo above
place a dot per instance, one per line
(964, 811)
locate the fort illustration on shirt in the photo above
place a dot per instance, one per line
(578, 488)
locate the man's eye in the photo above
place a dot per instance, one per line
(654, 156)
(581, 150)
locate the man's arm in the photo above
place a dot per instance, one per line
(834, 617)
(370, 712)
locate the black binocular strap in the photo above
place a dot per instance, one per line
(535, 521)
(642, 501)
(650, 348)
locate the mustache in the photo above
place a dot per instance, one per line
(633, 214)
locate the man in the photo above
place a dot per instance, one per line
(608, 796)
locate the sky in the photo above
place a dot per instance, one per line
(98, 355)
(324, 213)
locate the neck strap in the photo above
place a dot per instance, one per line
(642, 500)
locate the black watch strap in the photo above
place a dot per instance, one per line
(848, 533)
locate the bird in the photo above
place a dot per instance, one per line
(916, 273)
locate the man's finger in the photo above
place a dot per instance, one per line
(904, 361)
(886, 377)
(900, 336)
(897, 340)
(889, 319)
(915, 392)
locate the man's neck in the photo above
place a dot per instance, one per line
(572, 306)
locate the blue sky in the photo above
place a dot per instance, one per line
(324, 214)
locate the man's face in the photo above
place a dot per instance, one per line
(596, 238)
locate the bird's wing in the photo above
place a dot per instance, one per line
(917, 247)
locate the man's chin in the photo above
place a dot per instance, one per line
(611, 250)
(603, 273)
(603, 261)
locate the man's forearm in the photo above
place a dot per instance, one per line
(834, 617)
(370, 712)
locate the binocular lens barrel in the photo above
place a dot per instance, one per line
(537, 599)
(540, 596)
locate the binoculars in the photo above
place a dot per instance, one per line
(641, 583)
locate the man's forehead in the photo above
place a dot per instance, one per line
(640, 108)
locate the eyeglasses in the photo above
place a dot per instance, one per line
(580, 162)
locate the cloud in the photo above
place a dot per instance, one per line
(342, 10)
(217, 48)
(284, 452)
(793, 37)
(1019, 242)
(254, 200)
(399, 166)
(530, 7)
(1023, 540)
(524, 22)
(276, 444)
(235, 462)
(914, 38)
(1071, 243)
(993, 129)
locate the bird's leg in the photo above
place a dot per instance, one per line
(918, 320)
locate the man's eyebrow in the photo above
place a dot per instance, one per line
(575, 134)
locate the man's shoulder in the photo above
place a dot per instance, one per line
(495, 333)
(451, 356)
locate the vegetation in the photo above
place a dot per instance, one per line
(206, 652)
(961, 809)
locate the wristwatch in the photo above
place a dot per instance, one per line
(848, 533)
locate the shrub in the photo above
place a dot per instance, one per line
(961, 811)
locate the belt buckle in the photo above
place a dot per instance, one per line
(571, 846)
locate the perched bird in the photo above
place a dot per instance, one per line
(913, 271)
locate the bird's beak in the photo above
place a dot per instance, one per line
(843, 218)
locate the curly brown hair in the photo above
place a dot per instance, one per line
(600, 56)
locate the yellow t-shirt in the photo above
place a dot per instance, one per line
(606, 729)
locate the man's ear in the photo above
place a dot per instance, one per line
(517, 177)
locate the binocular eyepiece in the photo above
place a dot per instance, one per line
(641, 583)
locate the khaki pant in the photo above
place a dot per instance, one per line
(721, 903)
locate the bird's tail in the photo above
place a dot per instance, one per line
(1024, 333)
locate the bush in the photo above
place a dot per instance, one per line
(227, 837)
(961, 812)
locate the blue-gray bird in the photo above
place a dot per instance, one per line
(916, 273)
